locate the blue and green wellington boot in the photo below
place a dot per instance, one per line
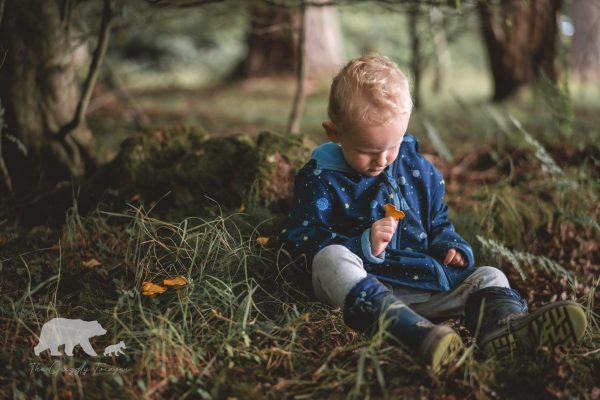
(499, 319)
(370, 303)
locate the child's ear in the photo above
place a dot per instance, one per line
(331, 131)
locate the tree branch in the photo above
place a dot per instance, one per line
(93, 72)
(3, 169)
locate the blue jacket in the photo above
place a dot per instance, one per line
(333, 204)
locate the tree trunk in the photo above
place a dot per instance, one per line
(416, 63)
(586, 40)
(440, 45)
(521, 39)
(318, 55)
(39, 90)
(295, 118)
(322, 43)
(272, 42)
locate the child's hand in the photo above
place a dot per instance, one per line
(382, 232)
(455, 258)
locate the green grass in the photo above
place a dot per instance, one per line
(245, 327)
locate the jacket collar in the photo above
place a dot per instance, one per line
(329, 155)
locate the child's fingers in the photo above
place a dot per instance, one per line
(388, 231)
(379, 242)
(458, 260)
(387, 221)
(379, 236)
(385, 234)
(449, 256)
(383, 226)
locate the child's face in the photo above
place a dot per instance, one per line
(369, 149)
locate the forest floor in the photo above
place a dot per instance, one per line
(523, 187)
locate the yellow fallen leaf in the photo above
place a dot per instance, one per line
(391, 211)
(262, 240)
(92, 263)
(151, 289)
(177, 282)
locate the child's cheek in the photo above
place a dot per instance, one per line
(362, 161)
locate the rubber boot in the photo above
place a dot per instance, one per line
(499, 319)
(370, 304)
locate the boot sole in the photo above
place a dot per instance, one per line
(440, 348)
(556, 324)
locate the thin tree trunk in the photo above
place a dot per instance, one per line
(585, 47)
(94, 70)
(416, 64)
(300, 96)
(442, 55)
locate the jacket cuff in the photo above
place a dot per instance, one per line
(365, 244)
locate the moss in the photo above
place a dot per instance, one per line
(276, 160)
(192, 172)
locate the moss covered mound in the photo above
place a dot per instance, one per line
(186, 169)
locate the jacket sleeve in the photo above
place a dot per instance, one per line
(442, 234)
(311, 226)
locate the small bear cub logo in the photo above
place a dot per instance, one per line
(115, 349)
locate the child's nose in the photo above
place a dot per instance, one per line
(380, 160)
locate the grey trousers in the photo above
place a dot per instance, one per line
(336, 270)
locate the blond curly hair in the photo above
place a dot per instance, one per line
(369, 89)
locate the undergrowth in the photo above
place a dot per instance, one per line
(246, 326)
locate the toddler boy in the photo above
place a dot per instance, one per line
(412, 269)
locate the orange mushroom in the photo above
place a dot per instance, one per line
(392, 211)
(176, 283)
(150, 289)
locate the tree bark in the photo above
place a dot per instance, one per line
(272, 42)
(39, 90)
(416, 62)
(440, 45)
(585, 48)
(521, 39)
(323, 42)
(300, 96)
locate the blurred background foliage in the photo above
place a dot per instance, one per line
(230, 66)
(178, 65)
